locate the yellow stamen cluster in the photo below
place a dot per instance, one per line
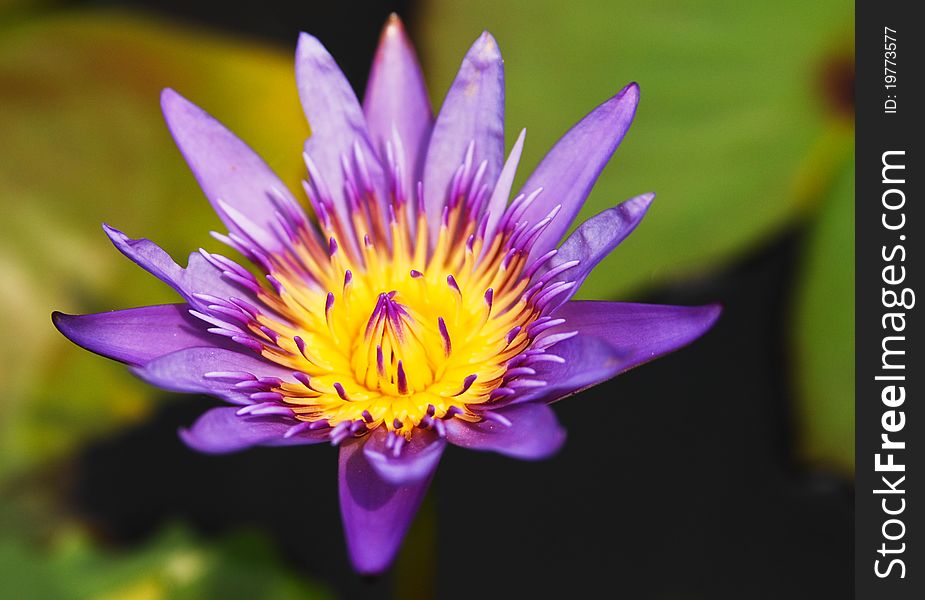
(388, 333)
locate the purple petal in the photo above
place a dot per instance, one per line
(534, 432)
(612, 338)
(337, 123)
(416, 460)
(588, 362)
(595, 238)
(473, 111)
(397, 97)
(568, 172)
(137, 335)
(502, 191)
(198, 277)
(227, 170)
(185, 371)
(376, 514)
(220, 430)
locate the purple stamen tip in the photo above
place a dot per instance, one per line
(447, 344)
(402, 379)
(341, 392)
(348, 277)
(467, 383)
(489, 296)
(332, 247)
(416, 274)
(451, 281)
(396, 423)
(329, 302)
(367, 416)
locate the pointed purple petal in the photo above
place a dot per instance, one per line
(417, 459)
(185, 371)
(137, 335)
(376, 514)
(568, 172)
(502, 192)
(226, 168)
(397, 97)
(473, 111)
(588, 362)
(220, 430)
(593, 240)
(534, 433)
(612, 338)
(335, 119)
(198, 277)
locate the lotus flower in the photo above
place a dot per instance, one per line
(416, 307)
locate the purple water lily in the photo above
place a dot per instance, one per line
(417, 306)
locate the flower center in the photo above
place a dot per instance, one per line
(397, 339)
(385, 324)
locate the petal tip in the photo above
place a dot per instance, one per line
(393, 26)
(308, 45)
(712, 313)
(173, 105)
(169, 95)
(485, 50)
(643, 201)
(61, 321)
(120, 240)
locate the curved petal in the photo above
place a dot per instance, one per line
(568, 172)
(595, 238)
(405, 463)
(376, 514)
(220, 430)
(643, 331)
(227, 170)
(396, 97)
(612, 338)
(338, 126)
(473, 111)
(137, 335)
(588, 362)
(199, 276)
(186, 370)
(534, 432)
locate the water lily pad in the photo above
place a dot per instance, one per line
(84, 142)
(174, 565)
(732, 102)
(824, 333)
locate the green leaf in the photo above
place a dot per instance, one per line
(175, 565)
(84, 143)
(732, 101)
(823, 332)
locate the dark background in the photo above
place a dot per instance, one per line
(679, 479)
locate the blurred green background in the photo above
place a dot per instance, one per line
(745, 131)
